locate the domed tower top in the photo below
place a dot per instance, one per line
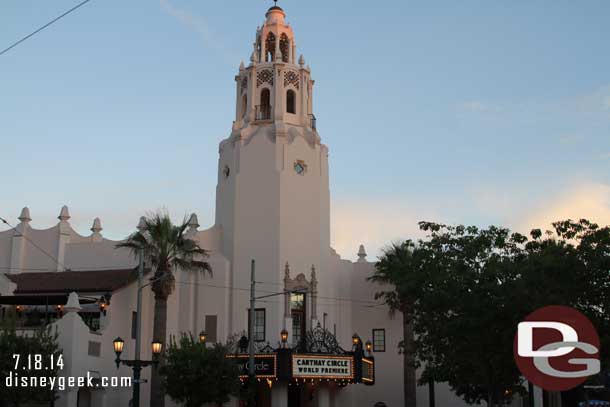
(275, 15)
(275, 39)
(276, 87)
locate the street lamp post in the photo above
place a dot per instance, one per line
(157, 346)
(136, 364)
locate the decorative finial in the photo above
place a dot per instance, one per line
(287, 272)
(313, 273)
(64, 214)
(141, 224)
(25, 215)
(73, 304)
(97, 226)
(301, 60)
(193, 222)
(241, 66)
(361, 254)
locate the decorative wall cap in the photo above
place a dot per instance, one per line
(25, 215)
(141, 224)
(64, 214)
(361, 253)
(193, 221)
(73, 305)
(97, 226)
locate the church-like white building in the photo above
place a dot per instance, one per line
(273, 206)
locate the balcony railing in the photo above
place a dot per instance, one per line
(263, 112)
(312, 121)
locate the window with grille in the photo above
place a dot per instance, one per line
(297, 311)
(378, 340)
(259, 324)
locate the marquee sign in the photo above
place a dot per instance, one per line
(265, 366)
(325, 367)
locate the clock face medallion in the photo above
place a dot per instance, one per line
(300, 167)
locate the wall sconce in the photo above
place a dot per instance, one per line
(103, 306)
(284, 337)
(60, 310)
(105, 303)
(369, 347)
(202, 337)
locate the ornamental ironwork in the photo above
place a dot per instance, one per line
(321, 341)
(292, 78)
(264, 76)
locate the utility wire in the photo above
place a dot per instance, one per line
(44, 26)
(371, 303)
(34, 244)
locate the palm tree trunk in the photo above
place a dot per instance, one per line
(409, 362)
(157, 396)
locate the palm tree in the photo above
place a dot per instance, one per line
(396, 270)
(166, 249)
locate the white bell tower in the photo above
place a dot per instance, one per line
(272, 197)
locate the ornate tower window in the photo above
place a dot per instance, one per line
(297, 312)
(284, 47)
(291, 102)
(300, 302)
(270, 48)
(263, 111)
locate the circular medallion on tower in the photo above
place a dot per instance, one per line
(300, 167)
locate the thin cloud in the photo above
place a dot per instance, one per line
(199, 25)
(373, 223)
(589, 201)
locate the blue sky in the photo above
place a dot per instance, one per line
(473, 112)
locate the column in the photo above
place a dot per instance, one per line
(279, 395)
(323, 396)
(67, 398)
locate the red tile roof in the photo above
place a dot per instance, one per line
(68, 281)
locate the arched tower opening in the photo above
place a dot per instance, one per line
(285, 47)
(291, 105)
(270, 48)
(264, 109)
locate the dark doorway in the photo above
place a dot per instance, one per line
(294, 396)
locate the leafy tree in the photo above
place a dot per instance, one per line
(167, 249)
(402, 266)
(464, 289)
(43, 342)
(194, 374)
